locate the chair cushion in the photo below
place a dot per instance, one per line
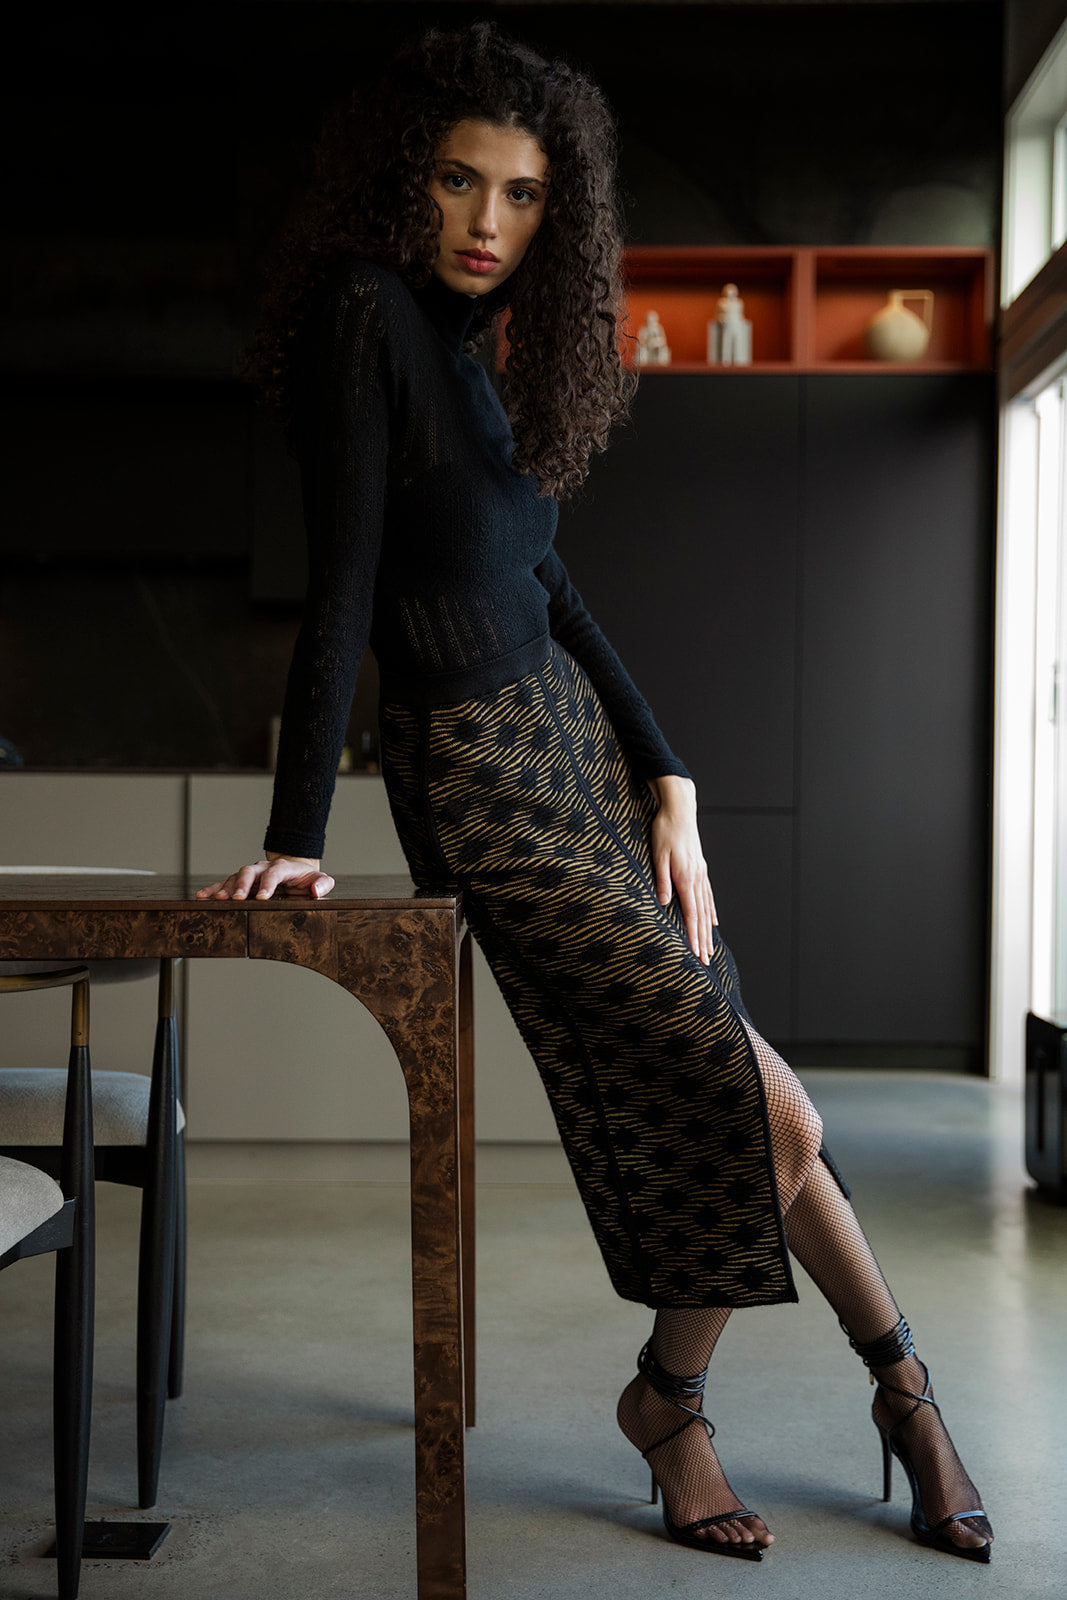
(32, 1101)
(27, 1198)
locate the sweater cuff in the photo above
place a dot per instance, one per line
(662, 767)
(295, 844)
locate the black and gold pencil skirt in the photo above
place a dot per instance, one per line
(525, 800)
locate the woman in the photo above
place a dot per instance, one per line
(520, 761)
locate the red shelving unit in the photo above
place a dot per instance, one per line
(851, 285)
(683, 285)
(809, 306)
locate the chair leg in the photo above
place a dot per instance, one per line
(176, 1368)
(155, 1286)
(73, 1349)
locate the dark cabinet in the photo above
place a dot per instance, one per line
(796, 569)
(684, 548)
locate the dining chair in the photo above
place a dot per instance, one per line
(38, 1215)
(140, 1141)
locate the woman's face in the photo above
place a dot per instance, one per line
(490, 182)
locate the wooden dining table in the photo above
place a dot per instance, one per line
(405, 955)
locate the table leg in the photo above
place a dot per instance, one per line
(437, 1306)
(466, 1166)
(403, 966)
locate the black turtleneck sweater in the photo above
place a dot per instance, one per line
(422, 538)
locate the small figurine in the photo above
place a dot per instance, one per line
(730, 333)
(652, 346)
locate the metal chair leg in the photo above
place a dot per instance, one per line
(175, 1373)
(155, 1287)
(73, 1351)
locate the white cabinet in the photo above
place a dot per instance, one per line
(91, 819)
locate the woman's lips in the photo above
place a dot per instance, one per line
(476, 264)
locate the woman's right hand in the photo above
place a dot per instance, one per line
(290, 875)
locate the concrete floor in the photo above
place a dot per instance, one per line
(288, 1463)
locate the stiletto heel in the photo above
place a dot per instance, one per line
(677, 1390)
(895, 1346)
(887, 1464)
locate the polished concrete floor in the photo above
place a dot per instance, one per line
(288, 1465)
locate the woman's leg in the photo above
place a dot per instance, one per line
(830, 1245)
(826, 1238)
(694, 1484)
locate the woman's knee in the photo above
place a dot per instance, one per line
(794, 1122)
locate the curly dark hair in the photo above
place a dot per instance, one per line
(564, 384)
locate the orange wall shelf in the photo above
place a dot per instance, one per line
(809, 306)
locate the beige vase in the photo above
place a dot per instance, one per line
(897, 334)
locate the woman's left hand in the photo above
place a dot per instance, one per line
(678, 861)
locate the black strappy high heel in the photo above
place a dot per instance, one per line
(892, 1347)
(678, 1390)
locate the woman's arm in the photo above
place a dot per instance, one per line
(341, 435)
(677, 857)
(631, 716)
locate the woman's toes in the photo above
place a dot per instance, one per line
(966, 1535)
(759, 1530)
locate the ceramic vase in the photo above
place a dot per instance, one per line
(897, 334)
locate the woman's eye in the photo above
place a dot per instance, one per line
(458, 182)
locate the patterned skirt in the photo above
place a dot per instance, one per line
(525, 800)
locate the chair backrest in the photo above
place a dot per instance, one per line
(36, 1214)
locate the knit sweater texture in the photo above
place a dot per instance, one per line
(423, 540)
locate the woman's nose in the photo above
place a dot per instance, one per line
(483, 222)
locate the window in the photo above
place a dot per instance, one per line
(1035, 189)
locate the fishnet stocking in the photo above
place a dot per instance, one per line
(826, 1238)
(687, 1468)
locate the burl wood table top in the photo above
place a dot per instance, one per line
(162, 892)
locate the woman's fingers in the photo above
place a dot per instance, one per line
(311, 884)
(262, 879)
(705, 925)
(697, 905)
(689, 905)
(242, 882)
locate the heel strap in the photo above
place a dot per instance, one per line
(669, 1384)
(892, 1347)
(677, 1390)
